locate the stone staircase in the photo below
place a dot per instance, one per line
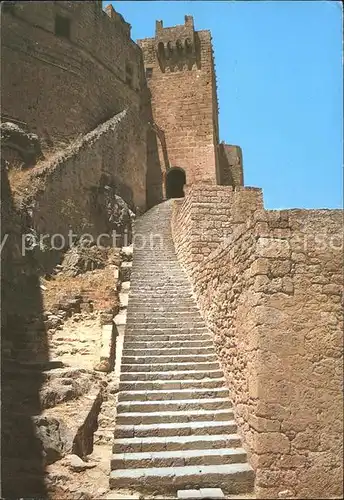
(175, 426)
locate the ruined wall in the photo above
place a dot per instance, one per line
(64, 189)
(62, 87)
(271, 296)
(180, 75)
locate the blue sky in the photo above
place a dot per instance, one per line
(280, 88)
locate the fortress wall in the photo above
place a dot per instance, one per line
(207, 216)
(271, 295)
(65, 187)
(183, 104)
(63, 88)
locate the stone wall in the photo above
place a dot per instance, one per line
(180, 75)
(61, 87)
(271, 295)
(66, 189)
(207, 216)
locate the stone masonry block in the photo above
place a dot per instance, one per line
(125, 271)
(273, 248)
(213, 493)
(260, 266)
(188, 494)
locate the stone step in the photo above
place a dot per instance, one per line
(171, 351)
(140, 299)
(161, 282)
(163, 385)
(159, 270)
(199, 358)
(169, 336)
(175, 429)
(161, 367)
(172, 277)
(174, 416)
(177, 458)
(136, 305)
(172, 375)
(178, 405)
(161, 320)
(148, 311)
(185, 333)
(163, 314)
(143, 307)
(157, 294)
(163, 299)
(157, 287)
(193, 442)
(162, 266)
(168, 344)
(173, 394)
(232, 478)
(159, 259)
(151, 289)
(153, 293)
(153, 324)
(173, 341)
(160, 317)
(167, 255)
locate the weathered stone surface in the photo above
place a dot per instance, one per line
(76, 464)
(125, 271)
(285, 494)
(56, 437)
(108, 348)
(127, 253)
(27, 145)
(83, 257)
(67, 429)
(210, 493)
(188, 494)
(65, 384)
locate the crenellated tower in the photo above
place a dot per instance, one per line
(180, 74)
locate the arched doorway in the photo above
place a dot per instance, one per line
(175, 181)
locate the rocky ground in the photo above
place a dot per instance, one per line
(81, 299)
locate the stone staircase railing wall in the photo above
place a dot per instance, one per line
(271, 295)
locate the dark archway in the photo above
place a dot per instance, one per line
(175, 181)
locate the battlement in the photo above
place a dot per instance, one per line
(176, 47)
(175, 43)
